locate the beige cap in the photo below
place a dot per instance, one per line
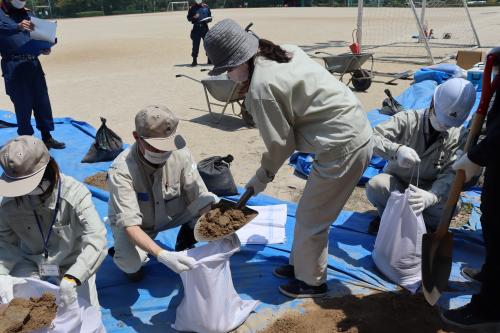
(157, 125)
(23, 160)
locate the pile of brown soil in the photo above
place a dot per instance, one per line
(27, 315)
(219, 222)
(98, 180)
(380, 312)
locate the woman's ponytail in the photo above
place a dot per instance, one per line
(272, 51)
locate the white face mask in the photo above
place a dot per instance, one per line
(239, 74)
(198, 2)
(41, 188)
(438, 126)
(18, 4)
(156, 158)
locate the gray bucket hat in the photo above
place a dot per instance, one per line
(228, 45)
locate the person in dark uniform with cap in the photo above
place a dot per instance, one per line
(199, 14)
(22, 71)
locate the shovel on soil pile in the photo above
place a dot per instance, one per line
(437, 247)
(224, 205)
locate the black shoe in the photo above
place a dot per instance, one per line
(299, 289)
(185, 238)
(194, 63)
(53, 143)
(111, 252)
(137, 276)
(284, 272)
(209, 62)
(374, 225)
(465, 317)
(472, 274)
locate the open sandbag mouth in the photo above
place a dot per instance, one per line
(222, 220)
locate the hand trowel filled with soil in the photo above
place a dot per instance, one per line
(224, 219)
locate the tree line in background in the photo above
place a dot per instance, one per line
(85, 8)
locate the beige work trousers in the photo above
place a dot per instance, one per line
(129, 257)
(328, 187)
(86, 291)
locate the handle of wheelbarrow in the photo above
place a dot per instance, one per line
(322, 52)
(245, 197)
(188, 77)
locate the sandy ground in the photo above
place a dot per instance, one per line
(113, 66)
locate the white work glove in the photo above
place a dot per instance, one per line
(7, 284)
(407, 157)
(420, 199)
(176, 261)
(259, 181)
(470, 168)
(67, 291)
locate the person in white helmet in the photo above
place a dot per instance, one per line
(422, 144)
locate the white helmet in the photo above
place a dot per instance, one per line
(453, 101)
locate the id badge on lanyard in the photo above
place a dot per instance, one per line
(45, 269)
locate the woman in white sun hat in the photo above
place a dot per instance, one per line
(49, 228)
(298, 105)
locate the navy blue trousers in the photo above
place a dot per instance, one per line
(27, 89)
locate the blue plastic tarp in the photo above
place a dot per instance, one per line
(149, 305)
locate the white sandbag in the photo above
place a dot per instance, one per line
(79, 317)
(211, 304)
(398, 247)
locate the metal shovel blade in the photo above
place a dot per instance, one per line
(436, 264)
(224, 204)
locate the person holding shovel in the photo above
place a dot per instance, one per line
(483, 311)
(154, 185)
(422, 144)
(298, 105)
(49, 227)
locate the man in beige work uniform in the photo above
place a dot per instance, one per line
(49, 228)
(154, 185)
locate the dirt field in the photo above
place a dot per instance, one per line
(381, 312)
(113, 66)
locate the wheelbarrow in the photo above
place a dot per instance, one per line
(225, 91)
(349, 63)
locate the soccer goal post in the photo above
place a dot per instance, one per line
(415, 31)
(177, 5)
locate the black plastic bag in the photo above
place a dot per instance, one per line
(106, 147)
(216, 174)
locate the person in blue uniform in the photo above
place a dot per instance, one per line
(23, 73)
(199, 15)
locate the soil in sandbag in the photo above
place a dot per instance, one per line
(381, 312)
(27, 315)
(98, 180)
(221, 222)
